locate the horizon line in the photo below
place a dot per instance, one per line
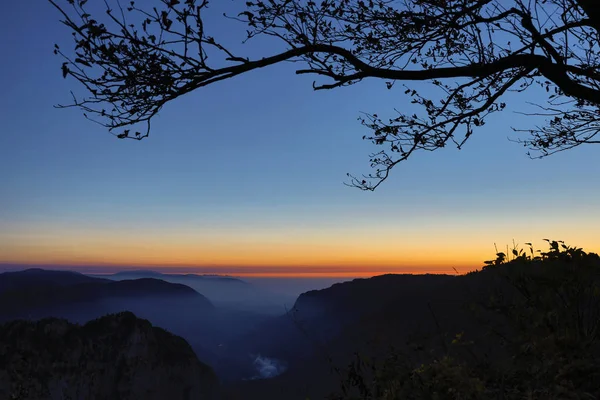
(237, 271)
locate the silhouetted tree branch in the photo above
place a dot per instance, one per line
(134, 60)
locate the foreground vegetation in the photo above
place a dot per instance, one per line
(542, 315)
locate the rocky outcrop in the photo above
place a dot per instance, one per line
(118, 356)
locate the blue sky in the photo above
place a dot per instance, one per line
(255, 166)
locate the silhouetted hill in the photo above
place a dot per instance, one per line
(348, 300)
(136, 274)
(114, 357)
(39, 292)
(326, 327)
(40, 277)
(319, 316)
(148, 286)
(223, 291)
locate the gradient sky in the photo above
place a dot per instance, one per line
(246, 176)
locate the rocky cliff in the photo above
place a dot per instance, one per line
(118, 356)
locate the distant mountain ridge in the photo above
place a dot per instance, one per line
(162, 275)
(22, 292)
(223, 291)
(37, 276)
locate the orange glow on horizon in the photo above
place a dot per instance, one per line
(327, 252)
(242, 257)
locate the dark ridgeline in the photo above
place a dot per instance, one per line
(39, 293)
(33, 277)
(223, 291)
(136, 274)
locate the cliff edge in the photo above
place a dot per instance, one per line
(118, 356)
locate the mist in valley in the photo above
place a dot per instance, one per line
(242, 328)
(263, 295)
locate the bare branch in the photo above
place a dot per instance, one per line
(133, 61)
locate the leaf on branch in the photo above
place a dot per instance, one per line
(83, 62)
(124, 134)
(65, 70)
